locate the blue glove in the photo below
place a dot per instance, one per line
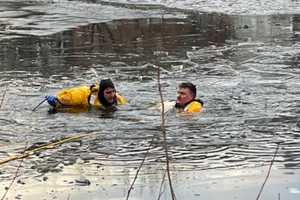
(52, 100)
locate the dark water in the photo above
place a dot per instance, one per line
(246, 69)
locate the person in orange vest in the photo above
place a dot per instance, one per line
(186, 99)
(103, 96)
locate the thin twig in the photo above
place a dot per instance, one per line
(13, 180)
(3, 96)
(161, 185)
(140, 167)
(15, 176)
(36, 150)
(163, 129)
(21, 161)
(268, 174)
(43, 148)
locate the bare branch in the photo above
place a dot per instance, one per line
(15, 176)
(269, 171)
(140, 167)
(161, 185)
(163, 129)
(13, 180)
(52, 145)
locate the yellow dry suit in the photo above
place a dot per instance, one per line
(193, 106)
(83, 97)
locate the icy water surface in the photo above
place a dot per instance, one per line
(246, 69)
(241, 7)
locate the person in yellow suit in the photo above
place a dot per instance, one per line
(103, 96)
(186, 99)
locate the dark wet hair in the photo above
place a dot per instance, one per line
(104, 84)
(190, 86)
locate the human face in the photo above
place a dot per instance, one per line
(109, 94)
(184, 95)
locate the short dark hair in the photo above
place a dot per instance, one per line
(190, 86)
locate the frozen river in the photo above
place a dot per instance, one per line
(243, 57)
